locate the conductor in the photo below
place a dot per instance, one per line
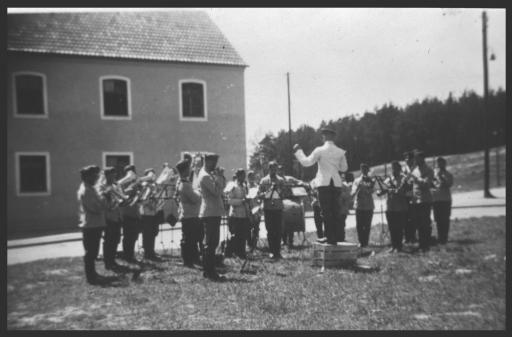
(331, 160)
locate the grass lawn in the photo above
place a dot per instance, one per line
(459, 286)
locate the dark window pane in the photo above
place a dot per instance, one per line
(29, 95)
(193, 100)
(119, 162)
(33, 174)
(115, 98)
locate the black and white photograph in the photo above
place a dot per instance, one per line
(205, 168)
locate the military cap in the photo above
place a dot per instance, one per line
(239, 171)
(327, 130)
(363, 165)
(130, 167)
(273, 163)
(89, 171)
(211, 156)
(182, 166)
(146, 171)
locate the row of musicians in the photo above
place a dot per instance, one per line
(412, 192)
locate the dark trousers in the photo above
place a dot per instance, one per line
(240, 227)
(131, 230)
(254, 234)
(190, 230)
(411, 225)
(396, 223)
(319, 221)
(363, 226)
(328, 199)
(442, 212)
(422, 220)
(273, 222)
(91, 240)
(149, 232)
(340, 228)
(211, 227)
(110, 241)
(200, 238)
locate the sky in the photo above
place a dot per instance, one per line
(348, 61)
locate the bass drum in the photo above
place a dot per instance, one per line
(293, 217)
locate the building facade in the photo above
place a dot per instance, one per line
(113, 102)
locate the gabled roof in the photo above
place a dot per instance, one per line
(177, 36)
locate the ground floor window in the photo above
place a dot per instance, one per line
(118, 160)
(33, 173)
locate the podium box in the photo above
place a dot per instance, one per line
(344, 253)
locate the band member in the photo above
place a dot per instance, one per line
(190, 202)
(410, 226)
(114, 196)
(197, 165)
(422, 177)
(442, 198)
(397, 206)
(362, 192)
(239, 212)
(255, 218)
(149, 221)
(91, 211)
(270, 190)
(131, 224)
(345, 203)
(331, 160)
(212, 183)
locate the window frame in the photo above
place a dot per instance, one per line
(104, 155)
(15, 95)
(128, 98)
(17, 172)
(205, 100)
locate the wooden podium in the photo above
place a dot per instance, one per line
(343, 254)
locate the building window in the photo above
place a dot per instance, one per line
(30, 95)
(193, 100)
(118, 160)
(33, 173)
(115, 97)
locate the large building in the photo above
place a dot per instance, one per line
(112, 88)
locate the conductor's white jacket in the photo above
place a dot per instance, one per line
(331, 160)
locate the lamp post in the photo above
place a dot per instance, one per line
(487, 193)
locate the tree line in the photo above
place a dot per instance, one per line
(437, 127)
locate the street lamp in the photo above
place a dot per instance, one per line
(487, 193)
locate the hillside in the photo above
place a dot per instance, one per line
(467, 169)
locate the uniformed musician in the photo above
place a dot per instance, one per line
(189, 205)
(212, 183)
(270, 190)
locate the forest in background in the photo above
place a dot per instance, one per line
(438, 127)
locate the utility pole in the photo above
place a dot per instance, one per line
(290, 125)
(487, 193)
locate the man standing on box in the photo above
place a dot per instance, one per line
(331, 160)
(212, 183)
